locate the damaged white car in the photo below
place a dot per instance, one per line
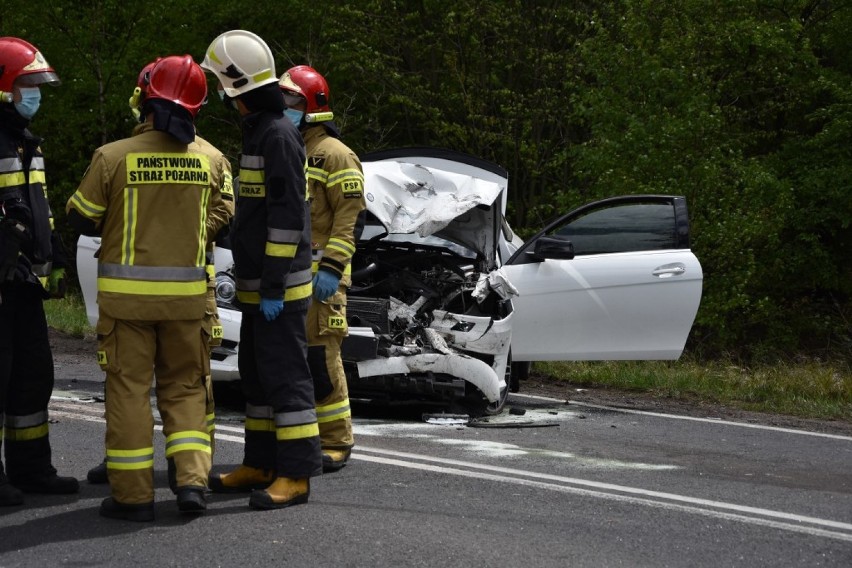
(445, 298)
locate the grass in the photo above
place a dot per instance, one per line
(68, 315)
(809, 389)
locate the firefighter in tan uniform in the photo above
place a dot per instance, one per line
(336, 187)
(150, 197)
(218, 219)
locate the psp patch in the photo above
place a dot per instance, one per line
(336, 322)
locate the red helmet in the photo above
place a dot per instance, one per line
(308, 83)
(145, 76)
(176, 78)
(22, 60)
(141, 90)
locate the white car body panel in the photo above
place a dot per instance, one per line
(87, 274)
(608, 306)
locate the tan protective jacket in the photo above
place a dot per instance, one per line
(151, 198)
(336, 187)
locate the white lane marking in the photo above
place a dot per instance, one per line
(691, 418)
(633, 495)
(811, 531)
(611, 487)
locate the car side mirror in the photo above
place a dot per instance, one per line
(553, 247)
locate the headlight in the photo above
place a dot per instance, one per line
(226, 290)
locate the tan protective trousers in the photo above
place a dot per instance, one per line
(326, 328)
(133, 353)
(215, 334)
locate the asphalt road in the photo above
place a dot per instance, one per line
(560, 485)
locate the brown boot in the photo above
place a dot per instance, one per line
(334, 460)
(241, 480)
(283, 492)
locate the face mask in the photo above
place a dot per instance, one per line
(230, 104)
(295, 116)
(29, 103)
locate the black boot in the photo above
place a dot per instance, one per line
(98, 474)
(140, 513)
(191, 499)
(9, 494)
(47, 482)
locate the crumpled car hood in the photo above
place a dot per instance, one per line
(412, 198)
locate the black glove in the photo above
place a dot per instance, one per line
(12, 234)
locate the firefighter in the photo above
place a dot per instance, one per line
(150, 197)
(336, 188)
(217, 224)
(270, 241)
(32, 269)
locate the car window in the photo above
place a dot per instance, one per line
(373, 229)
(621, 228)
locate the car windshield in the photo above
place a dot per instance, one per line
(373, 229)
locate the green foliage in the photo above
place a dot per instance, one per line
(741, 106)
(68, 315)
(802, 388)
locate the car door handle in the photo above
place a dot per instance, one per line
(669, 270)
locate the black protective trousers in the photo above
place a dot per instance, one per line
(281, 429)
(26, 380)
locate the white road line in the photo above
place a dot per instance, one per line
(811, 531)
(669, 501)
(612, 487)
(690, 418)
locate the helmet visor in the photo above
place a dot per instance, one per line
(292, 100)
(36, 79)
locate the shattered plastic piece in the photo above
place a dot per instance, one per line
(497, 282)
(446, 419)
(436, 341)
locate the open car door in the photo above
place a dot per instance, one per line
(615, 279)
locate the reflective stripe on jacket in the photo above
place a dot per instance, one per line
(23, 197)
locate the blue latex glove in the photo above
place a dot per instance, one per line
(271, 307)
(325, 284)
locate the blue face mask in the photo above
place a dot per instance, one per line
(295, 116)
(29, 103)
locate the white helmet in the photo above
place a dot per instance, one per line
(241, 61)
